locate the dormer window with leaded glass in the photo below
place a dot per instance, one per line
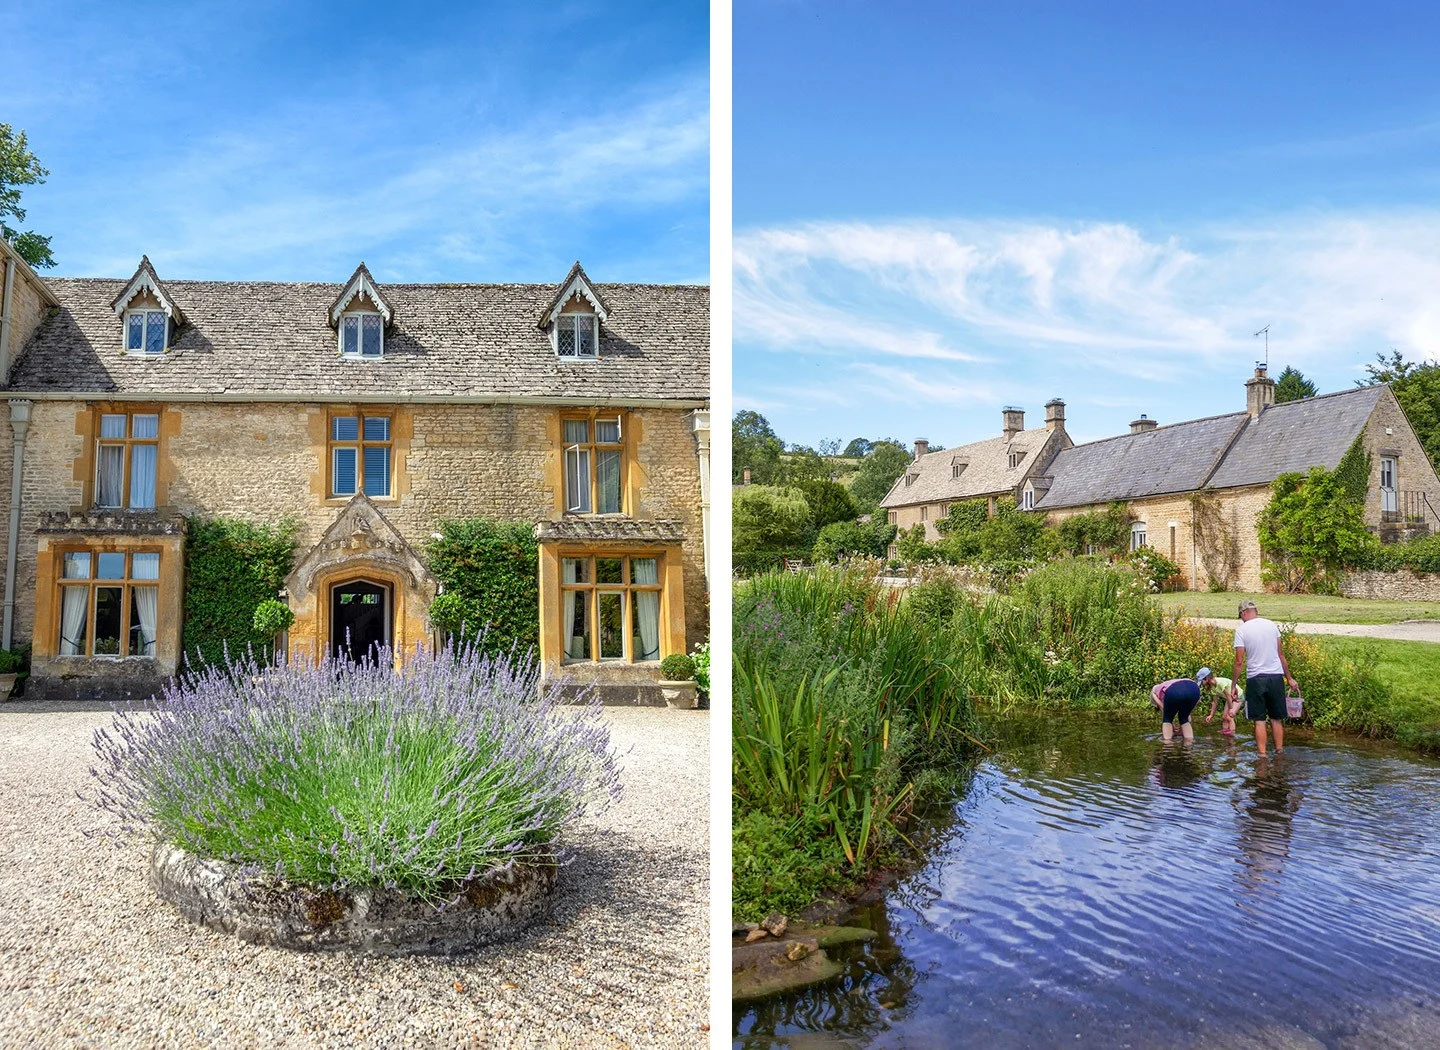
(577, 335)
(146, 331)
(148, 314)
(362, 334)
(360, 314)
(574, 317)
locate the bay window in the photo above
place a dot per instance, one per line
(610, 608)
(109, 602)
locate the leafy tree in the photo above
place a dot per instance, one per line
(1311, 529)
(885, 462)
(18, 167)
(1292, 386)
(1417, 388)
(1013, 535)
(829, 502)
(858, 448)
(754, 445)
(765, 517)
(800, 464)
(829, 447)
(840, 539)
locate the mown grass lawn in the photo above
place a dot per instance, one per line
(1304, 608)
(1412, 670)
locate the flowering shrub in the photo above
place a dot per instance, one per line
(702, 666)
(361, 775)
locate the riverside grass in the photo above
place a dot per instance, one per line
(346, 775)
(845, 702)
(849, 696)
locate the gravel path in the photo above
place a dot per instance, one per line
(1404, 631)
(89, 956)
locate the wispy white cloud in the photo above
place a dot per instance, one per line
(1142, 306)
(257, 196)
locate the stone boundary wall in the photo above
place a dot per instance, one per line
(1403, 585)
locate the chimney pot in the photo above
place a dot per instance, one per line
(1141, 425)
(1259, 392)
(1012, 420)
(745, 477)
(921, 447)
(1055, 414)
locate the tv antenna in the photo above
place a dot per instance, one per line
(1266, 333)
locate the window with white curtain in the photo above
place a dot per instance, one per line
(610, 607)
(127, 455)
(109, 603)
(1138, 536)
(594, 465)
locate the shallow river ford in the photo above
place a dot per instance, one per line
(1097, 888)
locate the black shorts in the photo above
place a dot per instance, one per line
(1180, 700)
(1265, 697)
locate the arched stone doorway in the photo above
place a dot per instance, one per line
(362, 576)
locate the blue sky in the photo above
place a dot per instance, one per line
(438, 142)
(943, 208)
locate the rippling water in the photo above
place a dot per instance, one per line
(1096, 888)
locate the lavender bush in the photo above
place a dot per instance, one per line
(359, 774)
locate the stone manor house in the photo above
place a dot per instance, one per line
(1195, 489)
(368, 412)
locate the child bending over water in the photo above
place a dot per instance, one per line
(1176, 699)
(1219, 687)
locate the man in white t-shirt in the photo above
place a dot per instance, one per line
(1257, 648)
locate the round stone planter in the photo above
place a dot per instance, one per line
(493, 907)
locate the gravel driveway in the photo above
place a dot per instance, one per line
(1404, 631)
(89, 956)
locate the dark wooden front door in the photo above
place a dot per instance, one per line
(359, 620)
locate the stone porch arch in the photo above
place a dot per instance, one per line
(361, 544)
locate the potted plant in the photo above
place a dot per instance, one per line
(677, 680)
(12, 665)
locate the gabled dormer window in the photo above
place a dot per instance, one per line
(360, 314)
(148, 314)
(146, 331)
(574, 317)
(577, 335)
(362, 334)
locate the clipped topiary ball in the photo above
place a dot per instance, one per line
(677, 667)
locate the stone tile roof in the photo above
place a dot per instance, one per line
(1176, 458)
(1218, 452)
(987, 470)
(1298, 435)
(605, 529)
(273, 340)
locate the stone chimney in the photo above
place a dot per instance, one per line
(1259, 392)
(921, 447)
(1144, 423)
(745, 477)
(1055, 414)
(1012, 420)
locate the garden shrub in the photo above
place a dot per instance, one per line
(489, 572)
(829, 502)
(271, 617)
(768, 518)
(843, 539)
(361, 775)
(702, 666)
(1107, 531)
(1156, 571)
(231, 567)
(677, 667)
(912, 546)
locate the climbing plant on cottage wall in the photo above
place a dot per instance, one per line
(232, 566)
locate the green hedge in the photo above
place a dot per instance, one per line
(749, 563)
(490, 572)
(231, 566)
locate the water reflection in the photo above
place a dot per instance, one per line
(1097, 888)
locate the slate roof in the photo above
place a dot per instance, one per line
(272, 339)
(987, 470)
(1218, 452)
(1298, 435)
